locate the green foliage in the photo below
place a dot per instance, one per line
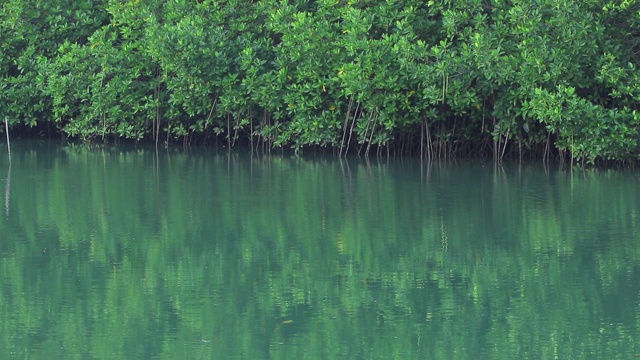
(96, 88)
(442, 77)
(30, 34)
(588, 131)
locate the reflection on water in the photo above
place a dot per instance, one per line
(129, 253)
(7, 190)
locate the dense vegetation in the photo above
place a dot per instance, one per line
(439, 78)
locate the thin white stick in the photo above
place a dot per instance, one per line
(6, 128)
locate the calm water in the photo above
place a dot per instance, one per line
(111, 253)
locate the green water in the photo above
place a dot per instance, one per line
(112, 253)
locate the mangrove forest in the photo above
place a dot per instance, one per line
(489, 78)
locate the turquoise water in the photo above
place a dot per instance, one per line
(129, 253)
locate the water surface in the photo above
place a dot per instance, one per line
(114, 253)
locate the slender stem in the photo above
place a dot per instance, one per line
(353, 123)
(6, 128)
(504, 147)
(346, 123)
(229, 130)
